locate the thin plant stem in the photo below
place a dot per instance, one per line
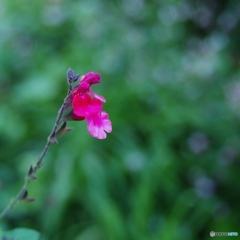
(31, 175)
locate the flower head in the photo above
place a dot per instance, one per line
(86, 104)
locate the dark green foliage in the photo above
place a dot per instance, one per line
(20, 234)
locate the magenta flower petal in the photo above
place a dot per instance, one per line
(85, 105)
(80, 105)
(101, 98)
(77, 118)
(92, 78)
(94, 106)
(98, 125)
(107, 125)
(83, 87)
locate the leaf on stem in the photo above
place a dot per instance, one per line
(29, 199)
(52, 138)
(63, 129)
(25, 196)
(31, 173)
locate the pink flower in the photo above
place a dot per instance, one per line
(88, 105)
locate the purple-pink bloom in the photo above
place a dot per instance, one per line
(99, 124)
(88, 105)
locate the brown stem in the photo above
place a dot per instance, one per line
(51, 139)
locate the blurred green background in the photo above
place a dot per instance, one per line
(170, 74)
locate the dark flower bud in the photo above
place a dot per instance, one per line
(31, 173)
(75, 78)
(70, 75)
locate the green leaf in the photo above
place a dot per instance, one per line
(63, 129)
(21, 234)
